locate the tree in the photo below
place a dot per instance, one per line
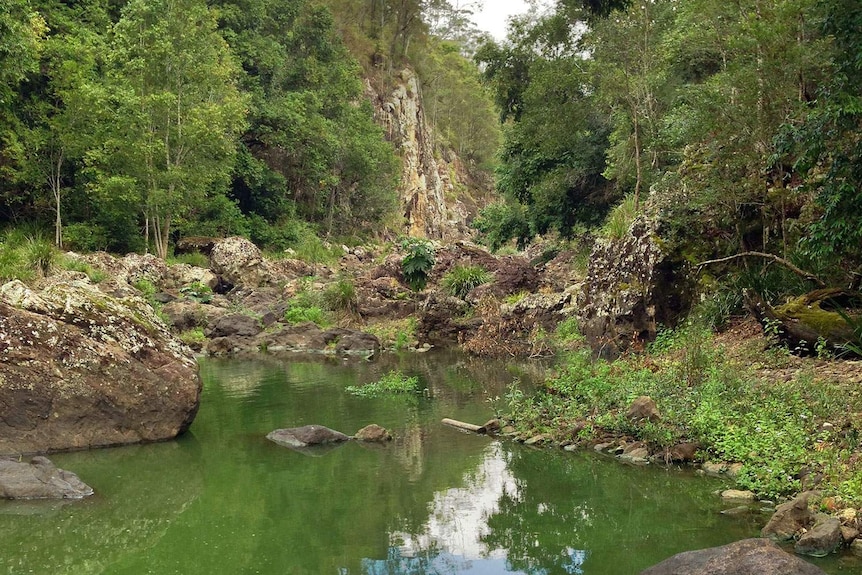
(22, 31)
(170, 112)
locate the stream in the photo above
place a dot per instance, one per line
(224, 500)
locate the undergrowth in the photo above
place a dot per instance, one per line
(391, 383)
(778, 430)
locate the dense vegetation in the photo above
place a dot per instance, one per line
(737, 123)
(128, 124)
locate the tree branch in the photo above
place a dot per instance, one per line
(800, 272)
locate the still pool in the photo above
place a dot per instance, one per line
(224, 500)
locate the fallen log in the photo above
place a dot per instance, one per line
(490, 427)
(826, 317)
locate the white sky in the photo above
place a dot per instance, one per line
(495, 14)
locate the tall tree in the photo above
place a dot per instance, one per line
(171, 111)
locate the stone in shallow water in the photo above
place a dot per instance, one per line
(746, 557)
(306, 436)
(373, 433)
(39, 479)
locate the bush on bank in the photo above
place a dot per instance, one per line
(783, 430)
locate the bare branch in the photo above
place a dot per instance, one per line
(800, 272)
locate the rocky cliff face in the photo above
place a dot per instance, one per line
(426, 180)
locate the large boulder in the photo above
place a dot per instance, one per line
(238, 262)
(631, 288)
(746, 557)
(81, 369)
(39, 479)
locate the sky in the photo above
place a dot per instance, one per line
(495, 14)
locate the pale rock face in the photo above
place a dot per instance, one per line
(425, 180)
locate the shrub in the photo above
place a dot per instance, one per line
(460, 280)
(418, 262)
(194, 259)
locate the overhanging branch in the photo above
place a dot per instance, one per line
(798, 271)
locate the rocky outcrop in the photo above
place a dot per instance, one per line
(745, 557)
(306, 436)
(631, 288)
(81, 369)
(425, 178)
(39, 479)
(232, 336)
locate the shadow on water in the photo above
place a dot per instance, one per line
(224, 500)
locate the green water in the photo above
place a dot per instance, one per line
(224, 500)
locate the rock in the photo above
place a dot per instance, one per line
(39, 479)
(234, 325)
(491, 427)
(182, 275)
(856, 548)
(631, 288)
(536, 439)
(185, 315)
(442, 320)
(684, 452)
(349, 341)
(847, 515)
(746, 557)
(824, 538)
(849, 534)
(425, 180)
(304, 336)
(238, 262)
(738, 510)
(643, 409)
(199, 244)
(635, 454)
(373, 434)
(306, 436)
(81, 369)
(737, 495)
(789, 518)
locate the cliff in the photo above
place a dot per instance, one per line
(430, 184)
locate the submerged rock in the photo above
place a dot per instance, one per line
(306, 436)
(746, 557)
(39, 479)
(80, 369)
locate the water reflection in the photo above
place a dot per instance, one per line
(455, 538)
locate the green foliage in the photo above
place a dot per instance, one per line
(460, 280)
(341, 295)
(500, 222)
(85, 237)
(393, 382)
(618, 222)
(774, 429)
(146, 287)
(193, 337)
(26, 254)
(568, 331)
(307, 305)
(194, 259)
(417, 262)
(197, 292)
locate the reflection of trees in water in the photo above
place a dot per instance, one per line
(622, 519)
